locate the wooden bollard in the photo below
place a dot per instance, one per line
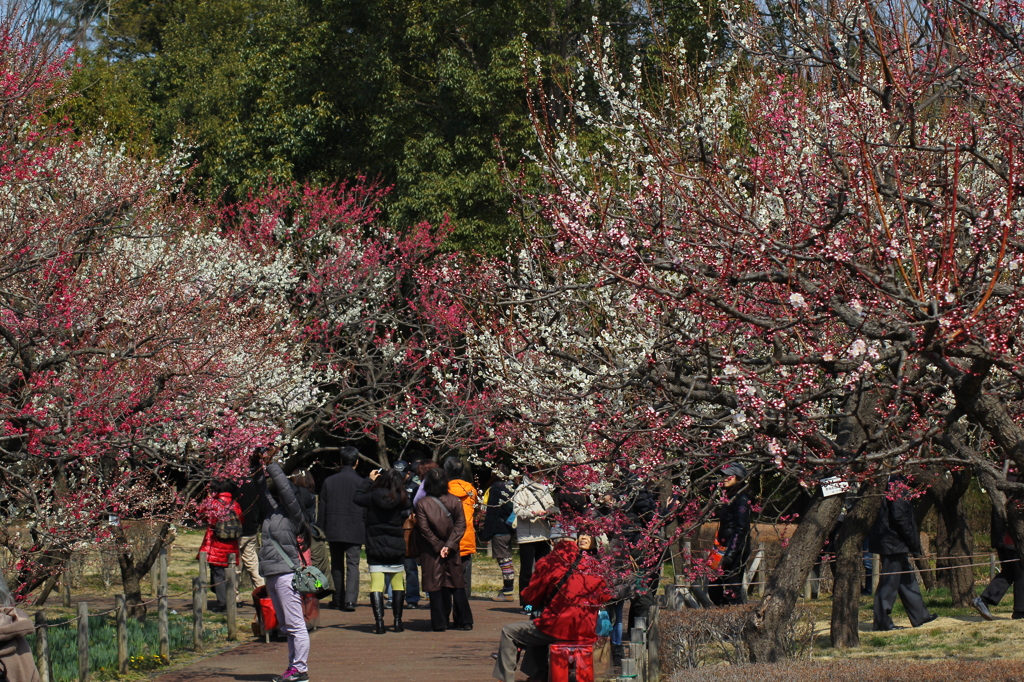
(198, 597)
(204, 571)
(761, 576)
(43, 662)
(991, 566)
(876, 570)
(65, 589)
(122, 633)
(638, 648)
(231, 575)
(83, 642)
(808, 589)
(162, 622)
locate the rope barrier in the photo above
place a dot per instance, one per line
(109, 611)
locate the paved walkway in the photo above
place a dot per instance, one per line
(344, 647)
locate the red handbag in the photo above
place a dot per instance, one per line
(715, 555)
(571, 662)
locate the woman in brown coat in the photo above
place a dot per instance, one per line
(15, 653)
(442, 523)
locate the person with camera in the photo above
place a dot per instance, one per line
(284, 528)
(442, 523)
(534, 505)
(564, 594)
(384, 498)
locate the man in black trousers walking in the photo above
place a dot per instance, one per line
(894, 537)
(1010, 570)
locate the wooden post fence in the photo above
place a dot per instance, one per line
(203, 572)
(751, 575)
(162, 624)
(83, 642)
(198, 597)
(991, 566)
(876, 569)
(65, 589)
(121, 613)
(231, 575)
(43, 648)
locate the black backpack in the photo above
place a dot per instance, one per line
(229, 527)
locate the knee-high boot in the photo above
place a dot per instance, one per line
(377, 604)
(397, 606)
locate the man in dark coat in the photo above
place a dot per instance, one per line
(1010, 571)
(344, 524)
(734, 538)
(894, 537)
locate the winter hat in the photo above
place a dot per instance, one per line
(735, 469)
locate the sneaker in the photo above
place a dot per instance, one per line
(288, 675)
(503, 596)
(981, 607)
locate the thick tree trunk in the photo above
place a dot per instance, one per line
(849, 578)
(992, 414)
(954, 538)
(766, 632)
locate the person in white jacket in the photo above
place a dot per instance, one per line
(533, 504)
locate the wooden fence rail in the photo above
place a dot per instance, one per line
(42, 646)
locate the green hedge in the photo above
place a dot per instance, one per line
(143, 644)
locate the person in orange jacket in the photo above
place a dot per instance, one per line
(466, 493)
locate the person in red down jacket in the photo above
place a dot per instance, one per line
(568, 590)
(222, 536)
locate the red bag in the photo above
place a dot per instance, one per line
(571, 662)
(715, 555)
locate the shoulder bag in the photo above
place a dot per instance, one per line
(306, 579)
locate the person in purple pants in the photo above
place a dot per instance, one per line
(283, 525)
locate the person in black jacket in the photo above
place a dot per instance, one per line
(1010, 570)
(734, 538)
(344, 524)
(407, 471)
(498, 531)
(894, 537)
(385, 502)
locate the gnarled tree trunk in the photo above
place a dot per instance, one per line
(954, 540)
(132, 572)
(766, 631)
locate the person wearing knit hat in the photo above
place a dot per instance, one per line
(734, 537)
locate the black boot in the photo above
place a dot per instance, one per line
(377, 604)
(397, 606)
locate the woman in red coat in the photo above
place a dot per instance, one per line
(223, 516)
(568, 589)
